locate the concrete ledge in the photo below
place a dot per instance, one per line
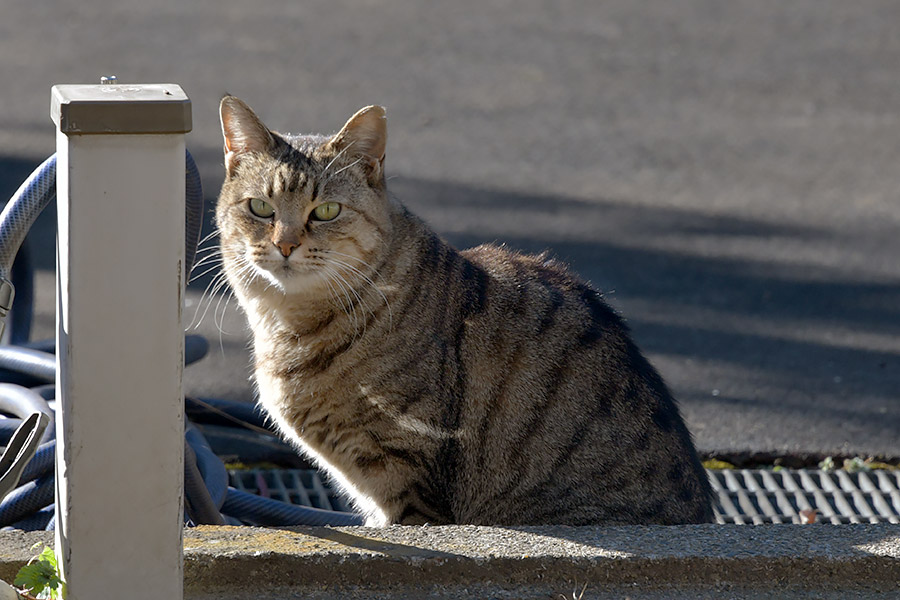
(821, 561)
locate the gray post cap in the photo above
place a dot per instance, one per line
(120, 108)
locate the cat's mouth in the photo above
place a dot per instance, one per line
(282, 270)
(278, 266)
(284, 274)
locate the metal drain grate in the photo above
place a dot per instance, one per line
(743, 496)
(294, 486)
(761, 496)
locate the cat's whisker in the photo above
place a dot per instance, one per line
(211, 253)
(206, 254)
(354, 269)
(334, 294)
(347, 290)
(342, 169)
(204, 269)
(246, 274)
(195, 322)
(216, 290)
(220, 321)
(366, 278)
(352, 311)
(337, 156)
(345, 285)
(209, 286)
(216, 284)
(208, 249)
(208, 236)
(356, 258)
(244, 269)
(339, 297)
(209, 270)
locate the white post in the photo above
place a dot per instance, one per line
(120, 341)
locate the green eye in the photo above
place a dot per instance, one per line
(326, 211)
(261, 208)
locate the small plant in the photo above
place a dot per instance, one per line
(883, 466)
(717, 465)
(41, 578)
(827, 464)
(856, 464)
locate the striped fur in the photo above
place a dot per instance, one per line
(438, 386)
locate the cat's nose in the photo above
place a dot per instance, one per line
(286, 247)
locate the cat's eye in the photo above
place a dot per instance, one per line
(261, 208)
(326, 211)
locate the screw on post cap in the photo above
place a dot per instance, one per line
(109, 80)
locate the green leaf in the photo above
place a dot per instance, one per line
(49, 556)
(34, 577)
(40, 577)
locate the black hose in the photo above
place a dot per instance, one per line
(37, 365)
(23, 208)
(37, 522)
(39, 189)
(29, 367)
(195, 348)
(257, 510)
(18, 325)
(7, 428)
(198, 503)
(48, 345)
(27, 499)
(22, 402)
(41, 463)
(210, 466)
(46, 391)
(213, 411)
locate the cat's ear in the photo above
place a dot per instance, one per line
(243, 132)
(365, 137)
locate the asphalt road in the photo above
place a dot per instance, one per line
(726, 171)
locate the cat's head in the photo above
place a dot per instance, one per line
(301, 215)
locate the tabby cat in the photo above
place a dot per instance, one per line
(435, 385)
